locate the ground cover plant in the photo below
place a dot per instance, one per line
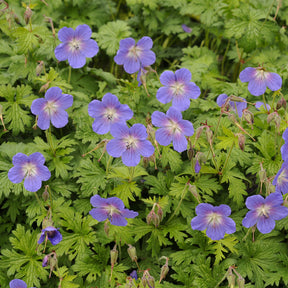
(143, 143)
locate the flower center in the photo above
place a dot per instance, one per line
(263, 210)
(110, 114)
(261, 74)
(75, 45)
(130, 142)
(30, 169)
(214, 219)
(174, 127)
(177, 88)
(50, 107)
(134, 52)
(282, 177)
(112, 210)
(51, 234)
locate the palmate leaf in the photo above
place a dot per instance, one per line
(109, 35)
(26, 40)
(67, 280)
(23, 259)
(171, 157)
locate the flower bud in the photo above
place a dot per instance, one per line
(164, 272)
(39, 68)
(262, 175)
(27, 14)
(241, 140)
(132, 252)
(281, 103)
(160, 212)
(248, 116)
(144, 281)
(231, 280)
(209, 134)
(134, 275)
(45, 260)
(199, 132)
(190, 153)
(45, 194)
(151, 281)
(241, 282)
(106, 228)
(53, 263)
(197, 167)
(44, 87)
(114, 256)
(274, 117)
(149, 217)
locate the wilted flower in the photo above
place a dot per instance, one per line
(178, 88)
(259, 79)
(135, 56)
(214, 219)
(52, 234)
(76, 45)
(107, 112)
(173, 128)
(281, 179)
(134, 275)
(31, 168)
(129, 143)
(112, 208)
(259, 104)
(234, 105)
(264, 212)
(52, 107)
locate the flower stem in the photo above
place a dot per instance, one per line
(39, 202)
(108, 164)
(131, 173)
(51, 200)
(227, 158)
(69, 75)
(179, 204)
(264, 101)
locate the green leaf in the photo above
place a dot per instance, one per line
(171, 157)
(109, 36)
(26, 40)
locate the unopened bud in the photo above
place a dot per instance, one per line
(39, 68)
(151, 281)
(45, 260)
(114, 256)
(193, 190)
(27, 14)
(152, 217)
(231, 280)
(269, 187)
(53, 264)
(106, 228)
(241, 140)
(281, 103)
(44, 87)
(199, 132)
(190, 153)
(160, 212)
(197, 166)
(209, 135)
(274, 117)
(144, 281)
(248, 116)
(132, 252)
(45, 194)
(241, 282)
(164, 272)
(262, 175)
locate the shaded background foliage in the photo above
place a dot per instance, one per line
(226, 37)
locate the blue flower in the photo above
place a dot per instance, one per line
(134, 56)
(264, 212)
(281, 178)
(214, 219)
(178, 88)
(259, 79)
(129, 143)
(17, 283)
(186, 28)
(284, 148)
(111, 208)
(108, 112)
(31, 168)
(259, 104)
(234, 105)
(52, 107)
(173, 128)
(76, 45)
(53, 235)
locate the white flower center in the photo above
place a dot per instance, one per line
(177, 88)
(111, 210)
(130, 142)
(29, 169)
(174, 127)
(51, 107)
(111, 114)
(134, 52)
(263, 210)
(282, 177)
(214, 219)
(75, 45)
(261, 74)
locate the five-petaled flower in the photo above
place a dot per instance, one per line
(173, 128)
(135, 56)
(281, 178)
(178, 88)
(129, 143)
(52, 234)
(108, 112)
(76, 45)
(52, 107)
(234, 105)
(214, 219)
(111, 208)
(264, 212)
(31, 168)
(17, 283)
(259, 79)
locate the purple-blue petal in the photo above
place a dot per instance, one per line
(174, 114)
(181, 103)
(83, 32)
(259, 104)
(126, 44)
(32, 183)
(179, 142)
(76, 59)
(101, 126)
(115, 147)
(43, 121)
(131, 157)
(118, 220)
(116, 202)
(187, 127)
(145, 148)
(274, 199)
(89, 48)
(97, 201)
(199, 223)
(60, 118)
(223, 209)
(38, 106)
(16, 174)
(250, 219)
(163, 136)
(221, 99)
(192, 90)
(167, 78)
(145, 43)
(62, 51)
(43, 172)
(285, 135)
(65, 34)
(253, 202)
(37, 158)
(99, 214)
(164, 95)
(131, 65)
(265, 225)
(273, 81)
(65, 101)
(197, 166)
(53, 93)
(19, 159)
(204, 208)
(257, 87)
(17, 283)
(247, 74)
(119, 130)
(129, 213)
(42, 237)
(215, 232)
(138, 131)
(147, 58)
(183, 75)
(159, 119)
